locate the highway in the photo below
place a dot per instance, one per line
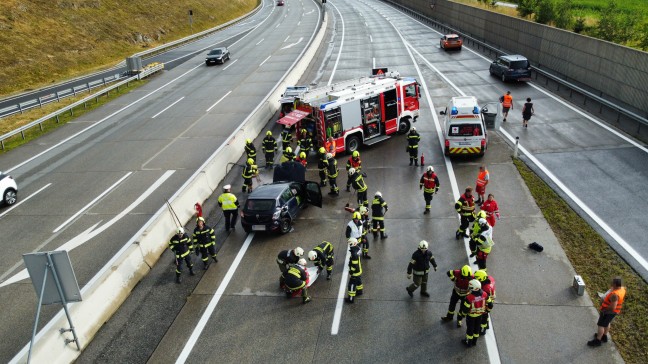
(251, 320)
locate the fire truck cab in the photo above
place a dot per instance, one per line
(464, 127)
(364, 110)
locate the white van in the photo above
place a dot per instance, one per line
(464, 128)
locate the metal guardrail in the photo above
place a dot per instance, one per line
(549, 76)
(70, 108)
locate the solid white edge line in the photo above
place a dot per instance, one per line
(298, 23)
(265, 60)
(335, 327)
(219, 100)
(167, 108)
(84, 208)
(373, 62)
(337, 60)
(262, 39)
(231, 63)
(370, 38)
(286, 39)
(200, 326)
(24, 200)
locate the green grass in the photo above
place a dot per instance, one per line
(597, 263)
(51, 124)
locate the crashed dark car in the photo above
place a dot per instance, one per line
(217, 55)
(274, 206)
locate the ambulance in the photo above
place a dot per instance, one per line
(464, 129)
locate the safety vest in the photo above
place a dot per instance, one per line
(429, 182)
(476, 304)
(461, 283)
(356, 231)
(485, 240)
(330, 147)
(620, 292)
(507, 100)
(482, 178)
(227, 201)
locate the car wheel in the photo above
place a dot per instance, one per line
(404, 125)
(207, 64)
(10, 196)
(352, 144)
(490, 70)
(503, 77)
(285, 225)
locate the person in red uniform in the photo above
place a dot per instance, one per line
(611, 306)
(474, 307)
(355, 163)
(488, 286)
(465, 207)
(430, 184)
(460, 277)
(302, 159)
(480, 186)
(491, 209)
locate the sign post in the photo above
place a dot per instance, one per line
(191, 20)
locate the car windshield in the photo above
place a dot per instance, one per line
(465, 130)
(259, 205)
(453, 37)
(519, 64)
(215, 52)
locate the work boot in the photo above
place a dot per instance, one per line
(350, 299)
(466, 342)
(424, 291)
(410, 162)
(427, 211)
(410, 293)
(474, 341)
(425, 294)
(191, 272)
(375, 234)
(206, 265)
(215, 259)
(594, 342)
(446, 318)
(366, 256)
(359, 292)
(306, 299)
(604, 338)
(328, 276)
(459, 322)
(178, 278)
(416, 162)
(458, 234)
(383, 235)
(348, 189)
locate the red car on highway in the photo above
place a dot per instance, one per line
(451, 41)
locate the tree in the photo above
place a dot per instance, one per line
(527, 7)
(545, 12)
(608, 26)
(643, 39)
(564, 17)
(579, 25)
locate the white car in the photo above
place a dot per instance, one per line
(9, 189)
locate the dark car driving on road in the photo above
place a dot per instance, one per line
(217, 55)
(516, 68)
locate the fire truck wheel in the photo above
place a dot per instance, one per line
(352, 144)
(404, 125)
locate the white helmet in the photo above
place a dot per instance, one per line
(430, 169)
(378, 194)
(351, 171)
(423, 244)
(329, 155)
(353, 242)
(482, 221)
(302, 262)
(299, 251)
(180, 230)
(312, 255)
(474, 285)
(227, 187)
(363, 210)
(413, 128)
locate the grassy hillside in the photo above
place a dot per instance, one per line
(48, 41)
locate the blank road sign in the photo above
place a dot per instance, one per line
(36, 264)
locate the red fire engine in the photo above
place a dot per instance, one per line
(363, 110)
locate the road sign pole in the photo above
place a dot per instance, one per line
(64, 302)
(40, 302)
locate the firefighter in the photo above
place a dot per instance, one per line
(429, 183)
(204, 239)
(476, 305)
(230, 205)
(483, 177)
(250, 150)
(322, 164)
(460, 277)
(360, 186)
(488, 286)
(330, 146)
(323, 255)
(284, 259)
(476, 229)
(413, 139)
(332, 173)
(364, 220)
(354, 227)
(181, 246)
(249, 171)
(296, 279)
(269, 145)
(305, 143)
(378, 211)
(465, 207)
(302, 159)
(288, 155)
(420, 266)
(355, 163)
(481, 244)
(355, 271)
(286, 137)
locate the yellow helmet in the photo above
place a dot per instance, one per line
(481, 275)
(268, 133)
(356, 154)
(322, 150)
(200, 218)
(302, 155)
(481, 214)
(288, 150)
(356, 215)
(248, 141)
(250, 161)
(466, 271)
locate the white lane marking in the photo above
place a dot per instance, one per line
(373, 62)
(335, 327)
(310, 12)
(84, 208)
(260, 41)
(370, 38)
(285, 40)
(265, 60)
(200, 326)
(277, 26)
(366, 26)
(166, 108)
(24, 200)
(91, 233)
(337, 60)
(231, 63)
(293, 44)
(219, 100)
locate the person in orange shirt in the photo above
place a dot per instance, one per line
(482, 180)
(611, 306)
(330, 146)
(507, 104)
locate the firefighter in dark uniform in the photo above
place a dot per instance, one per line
(204, 239)
(269, 145)
(296, 280)
(332, 173)
(429, 183)
(286, 138)
(355, 163)
(284, 259)
(360, 186)
(250, 150)
(305, 143)
(288, 155)
(249, 171)
(378, 211)
(474, 307)
(460, 277)
(181, 246)
(230, 205)
(355, 271)
(420, 266)
(488, 286)
(482, 243)
(465, 207)
(413, 139)
(323, 255)
(322, 164)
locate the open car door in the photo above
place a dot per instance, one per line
(313, 193)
